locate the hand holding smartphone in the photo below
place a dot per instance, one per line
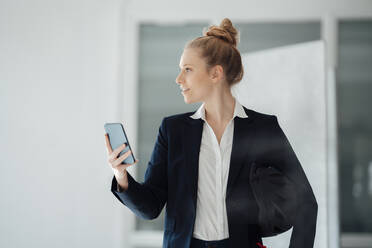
(119, 152)
(118, 137)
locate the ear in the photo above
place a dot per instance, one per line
(217, 73)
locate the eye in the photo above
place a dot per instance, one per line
(187, 69)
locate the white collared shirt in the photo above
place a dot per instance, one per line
(214, 163)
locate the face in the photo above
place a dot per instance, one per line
(194, 78)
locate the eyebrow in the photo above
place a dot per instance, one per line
(186, 64)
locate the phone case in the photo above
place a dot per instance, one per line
(117, 137)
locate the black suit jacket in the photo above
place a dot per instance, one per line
(172, 178)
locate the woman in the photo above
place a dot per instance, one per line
(200, 165)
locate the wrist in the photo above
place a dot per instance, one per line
(122, 183)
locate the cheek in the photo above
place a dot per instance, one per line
(204, 85)
(199, 81)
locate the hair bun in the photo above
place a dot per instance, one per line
(225, 31)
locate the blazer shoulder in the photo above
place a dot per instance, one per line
(260, 115)
(178, 117)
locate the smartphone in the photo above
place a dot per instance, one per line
(117, 137)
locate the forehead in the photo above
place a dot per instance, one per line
(190, 57)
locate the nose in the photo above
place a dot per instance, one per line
(178, 81)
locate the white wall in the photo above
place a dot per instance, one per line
(58, 77)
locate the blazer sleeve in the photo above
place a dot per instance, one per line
(304, 228)
(148, 198)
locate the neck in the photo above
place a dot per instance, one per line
(219, 108)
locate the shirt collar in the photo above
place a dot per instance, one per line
(238, 111)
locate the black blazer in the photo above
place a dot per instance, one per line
(172, 177)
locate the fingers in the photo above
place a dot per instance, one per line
(114, 155)
(113, 159)
(124, 166)
(120, 159)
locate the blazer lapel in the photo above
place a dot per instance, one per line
(192, 136)
(239, 148)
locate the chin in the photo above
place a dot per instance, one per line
(187, 101)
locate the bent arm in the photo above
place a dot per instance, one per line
(147, 199)
(304, 228)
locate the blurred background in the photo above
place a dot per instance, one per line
(67, 67)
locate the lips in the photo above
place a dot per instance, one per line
(184, 90)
